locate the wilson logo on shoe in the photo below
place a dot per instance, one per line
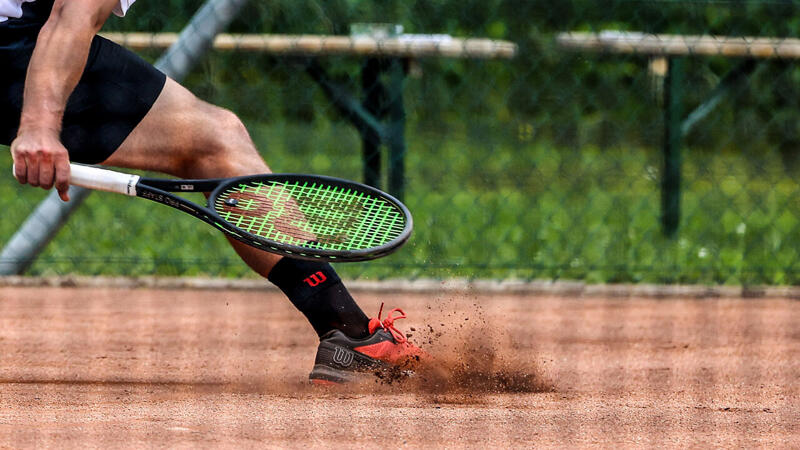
(342, 357)
(315, 279)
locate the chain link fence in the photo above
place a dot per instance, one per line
(548, 165)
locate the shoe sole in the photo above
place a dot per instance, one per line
(325, 375)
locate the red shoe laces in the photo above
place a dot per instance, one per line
(388, 324)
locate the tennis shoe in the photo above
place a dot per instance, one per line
(385, 354)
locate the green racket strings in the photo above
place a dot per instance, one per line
(311, 215)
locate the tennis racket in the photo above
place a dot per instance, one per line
(301, 216)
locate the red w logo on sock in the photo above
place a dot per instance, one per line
(315, 279)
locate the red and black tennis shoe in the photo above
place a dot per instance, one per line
(385, 354)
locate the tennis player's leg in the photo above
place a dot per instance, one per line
(186, 137)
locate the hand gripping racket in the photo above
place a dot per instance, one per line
(301, 216)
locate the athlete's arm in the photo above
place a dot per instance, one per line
(56, 65)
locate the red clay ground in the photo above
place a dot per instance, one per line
(103, 368)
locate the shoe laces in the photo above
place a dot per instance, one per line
(388, 324)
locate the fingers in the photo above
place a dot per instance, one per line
(41, 160)
(33, 161)
(46, 171)
(21, 170)
(45, 174)
(62, 178)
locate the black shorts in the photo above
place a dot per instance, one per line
(115, 92)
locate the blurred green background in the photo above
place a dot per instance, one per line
(546, 166)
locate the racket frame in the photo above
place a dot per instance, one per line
(160, 191)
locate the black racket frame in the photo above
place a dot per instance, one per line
(159, 190)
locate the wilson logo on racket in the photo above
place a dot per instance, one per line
(315, 279)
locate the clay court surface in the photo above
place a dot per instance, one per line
(101, 368)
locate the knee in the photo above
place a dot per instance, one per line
(235, 146)
(232, 134)
(228, 150)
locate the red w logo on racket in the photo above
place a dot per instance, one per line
(315, 279)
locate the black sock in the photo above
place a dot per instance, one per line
(317, 291)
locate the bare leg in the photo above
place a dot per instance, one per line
(183, 136)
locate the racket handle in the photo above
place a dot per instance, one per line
(100, 179)
(103, 179)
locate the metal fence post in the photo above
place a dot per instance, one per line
(374, 99)
(396, 128)
(671, 181)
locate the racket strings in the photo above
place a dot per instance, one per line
(311, 215)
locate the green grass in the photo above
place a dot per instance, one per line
(497, 207)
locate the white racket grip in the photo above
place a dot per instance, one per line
(103, 179)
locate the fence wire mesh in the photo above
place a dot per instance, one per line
(548, 165)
